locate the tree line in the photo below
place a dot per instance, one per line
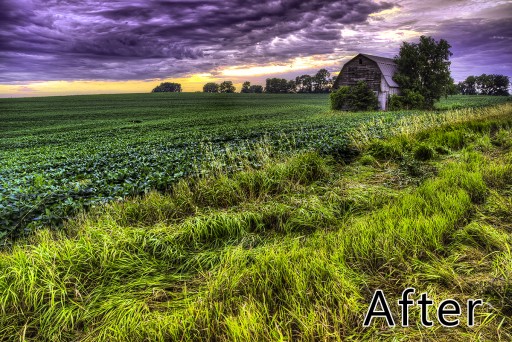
(321, 82)
(423, 76)
(318, 83)
(485, 85)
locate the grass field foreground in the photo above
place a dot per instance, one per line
(291, 250)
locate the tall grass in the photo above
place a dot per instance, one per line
(381, 128)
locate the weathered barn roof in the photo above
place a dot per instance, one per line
(387, 66)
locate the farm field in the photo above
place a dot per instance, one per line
(287, 246)
(59, 154)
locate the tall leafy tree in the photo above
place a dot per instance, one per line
(451, 89)
(246, 87)
(424, 68)
(304, 84)
(291, 86)
(227, 87)
(276, 85)
(501, 85)
(167, 87)
(468, 86)
(211, 87)
(322, 81)
(485, 85)
(256, 89)
(492, 84)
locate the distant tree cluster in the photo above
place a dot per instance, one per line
(279, 86)
(485, 85)
(248, 88)
(167, 87)
(211, 87)
(227, 87)
(319, 83)
(224, 87)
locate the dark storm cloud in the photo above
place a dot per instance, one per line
(142, 39)
(92, 39)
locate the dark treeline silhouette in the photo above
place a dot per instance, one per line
(485, 85)
(321, 82)
(318, 83)
(279, 86)
(167, 87)
(248, 88)
(224, 87)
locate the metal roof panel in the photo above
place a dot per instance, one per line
(387, 66)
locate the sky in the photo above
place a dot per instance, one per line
(61, 47)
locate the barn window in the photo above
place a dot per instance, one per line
(360, 61)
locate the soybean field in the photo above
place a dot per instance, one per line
(61, 154)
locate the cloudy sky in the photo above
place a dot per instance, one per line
(93, 46)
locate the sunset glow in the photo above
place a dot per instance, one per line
(89, 47)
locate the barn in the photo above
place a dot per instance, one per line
(376, 71)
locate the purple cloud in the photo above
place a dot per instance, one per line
(43, 40)
(116, 40)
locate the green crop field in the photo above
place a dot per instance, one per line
(266, 218)
(59, 154)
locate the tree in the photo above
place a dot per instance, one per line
(485, 85)
(468, 86)
(424, 68)
(291, 86)
(492, 84)
(256, 89)
(322, 81)
(227, 87)
(451, 89)
(211, 87)
(356, 98)
(276, 86)
(304, 84)
(167, 87)
(501, 85)
(246, 87)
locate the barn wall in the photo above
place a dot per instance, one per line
(353, 72)
(383, 100)
(384, 94)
